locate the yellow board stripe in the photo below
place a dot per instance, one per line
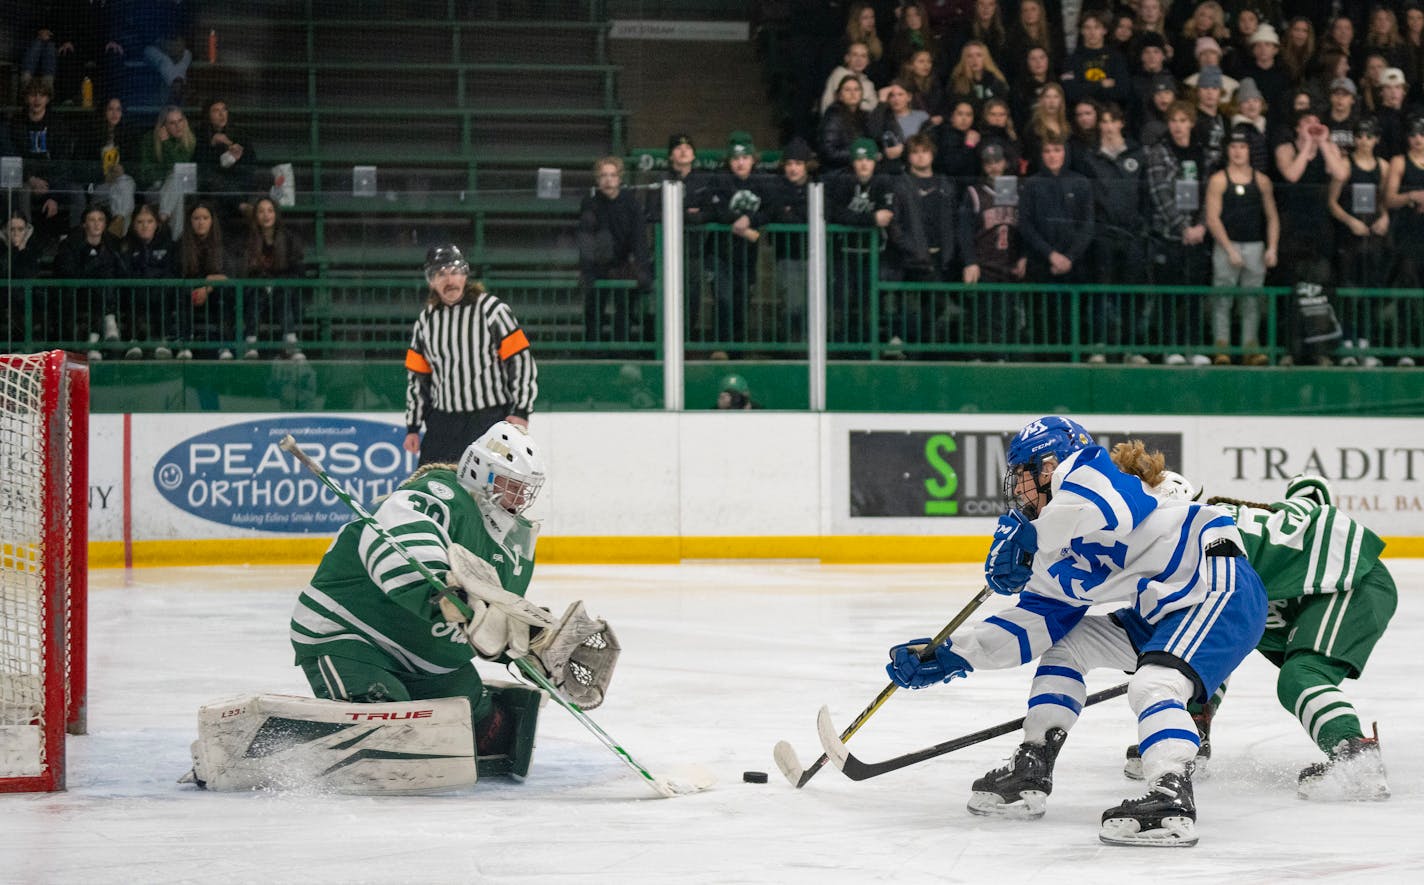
(610, 550)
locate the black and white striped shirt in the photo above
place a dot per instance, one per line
(468, 357)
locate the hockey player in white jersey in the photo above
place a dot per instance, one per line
(1080, 532)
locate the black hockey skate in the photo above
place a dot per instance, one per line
(1132, 766)
(1020, 789)
(1164, 818)
(1354, 773)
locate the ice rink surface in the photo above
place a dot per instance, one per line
(719, 662)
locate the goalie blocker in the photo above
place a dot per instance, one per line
(285, 742)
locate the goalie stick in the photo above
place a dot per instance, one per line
(662, 786)
(857, 770)
(785, 756)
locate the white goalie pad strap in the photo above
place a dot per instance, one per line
(579, 655)
(286, 742)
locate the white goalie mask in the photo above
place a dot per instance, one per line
(503, 465)
(1174, 486)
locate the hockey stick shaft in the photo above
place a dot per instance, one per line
(530, 670)
(885, 693)
(858, 770)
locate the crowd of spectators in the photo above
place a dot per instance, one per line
(1225, 144)
(104, 196)
(1228, 144)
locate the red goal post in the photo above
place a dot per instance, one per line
(44, 536)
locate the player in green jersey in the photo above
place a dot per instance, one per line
(1330, 600)
(370, 629)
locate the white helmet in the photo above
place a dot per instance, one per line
(1174, 486)
(505, 466)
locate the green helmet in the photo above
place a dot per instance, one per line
(1314, 488)
(735, 384)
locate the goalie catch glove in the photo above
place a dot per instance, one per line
(579, 654)
(500, 621)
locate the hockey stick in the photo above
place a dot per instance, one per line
(785, 757)
(664, 787)
(857, 770)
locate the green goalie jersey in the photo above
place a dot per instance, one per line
(1302, 548)
(366, 602)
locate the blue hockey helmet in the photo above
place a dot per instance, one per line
(1051, 436)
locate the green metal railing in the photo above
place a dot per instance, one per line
(337, 318)
(745, 300)
(881, 320)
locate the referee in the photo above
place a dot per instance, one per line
(469, 363)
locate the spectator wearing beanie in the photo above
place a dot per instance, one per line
(787, 205)
(1341, 115)
(1150, 59)
(1211, 124)
(1160, 97)
(1209, 55)
(1262, 65)
(1251, 113)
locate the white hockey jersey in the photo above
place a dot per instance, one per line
(1102, 538)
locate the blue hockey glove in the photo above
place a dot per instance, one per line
(1010, 561)
(908, 671)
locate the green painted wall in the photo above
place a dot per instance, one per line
(372, 386)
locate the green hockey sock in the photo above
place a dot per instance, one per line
(1308, 687)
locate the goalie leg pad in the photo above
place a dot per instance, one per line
(579, 654)
(523, 704)
(285, 742)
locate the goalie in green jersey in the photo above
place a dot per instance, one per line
(371, 629)
(1330, 600)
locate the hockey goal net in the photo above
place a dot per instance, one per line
(44, 485)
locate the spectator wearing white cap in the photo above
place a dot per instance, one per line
(1391, 112)
(1272, 78)
(1209, 55)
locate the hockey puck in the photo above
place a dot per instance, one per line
(754, 777)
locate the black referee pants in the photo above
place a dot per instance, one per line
(448, 434)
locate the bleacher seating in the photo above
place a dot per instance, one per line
(456, 108)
